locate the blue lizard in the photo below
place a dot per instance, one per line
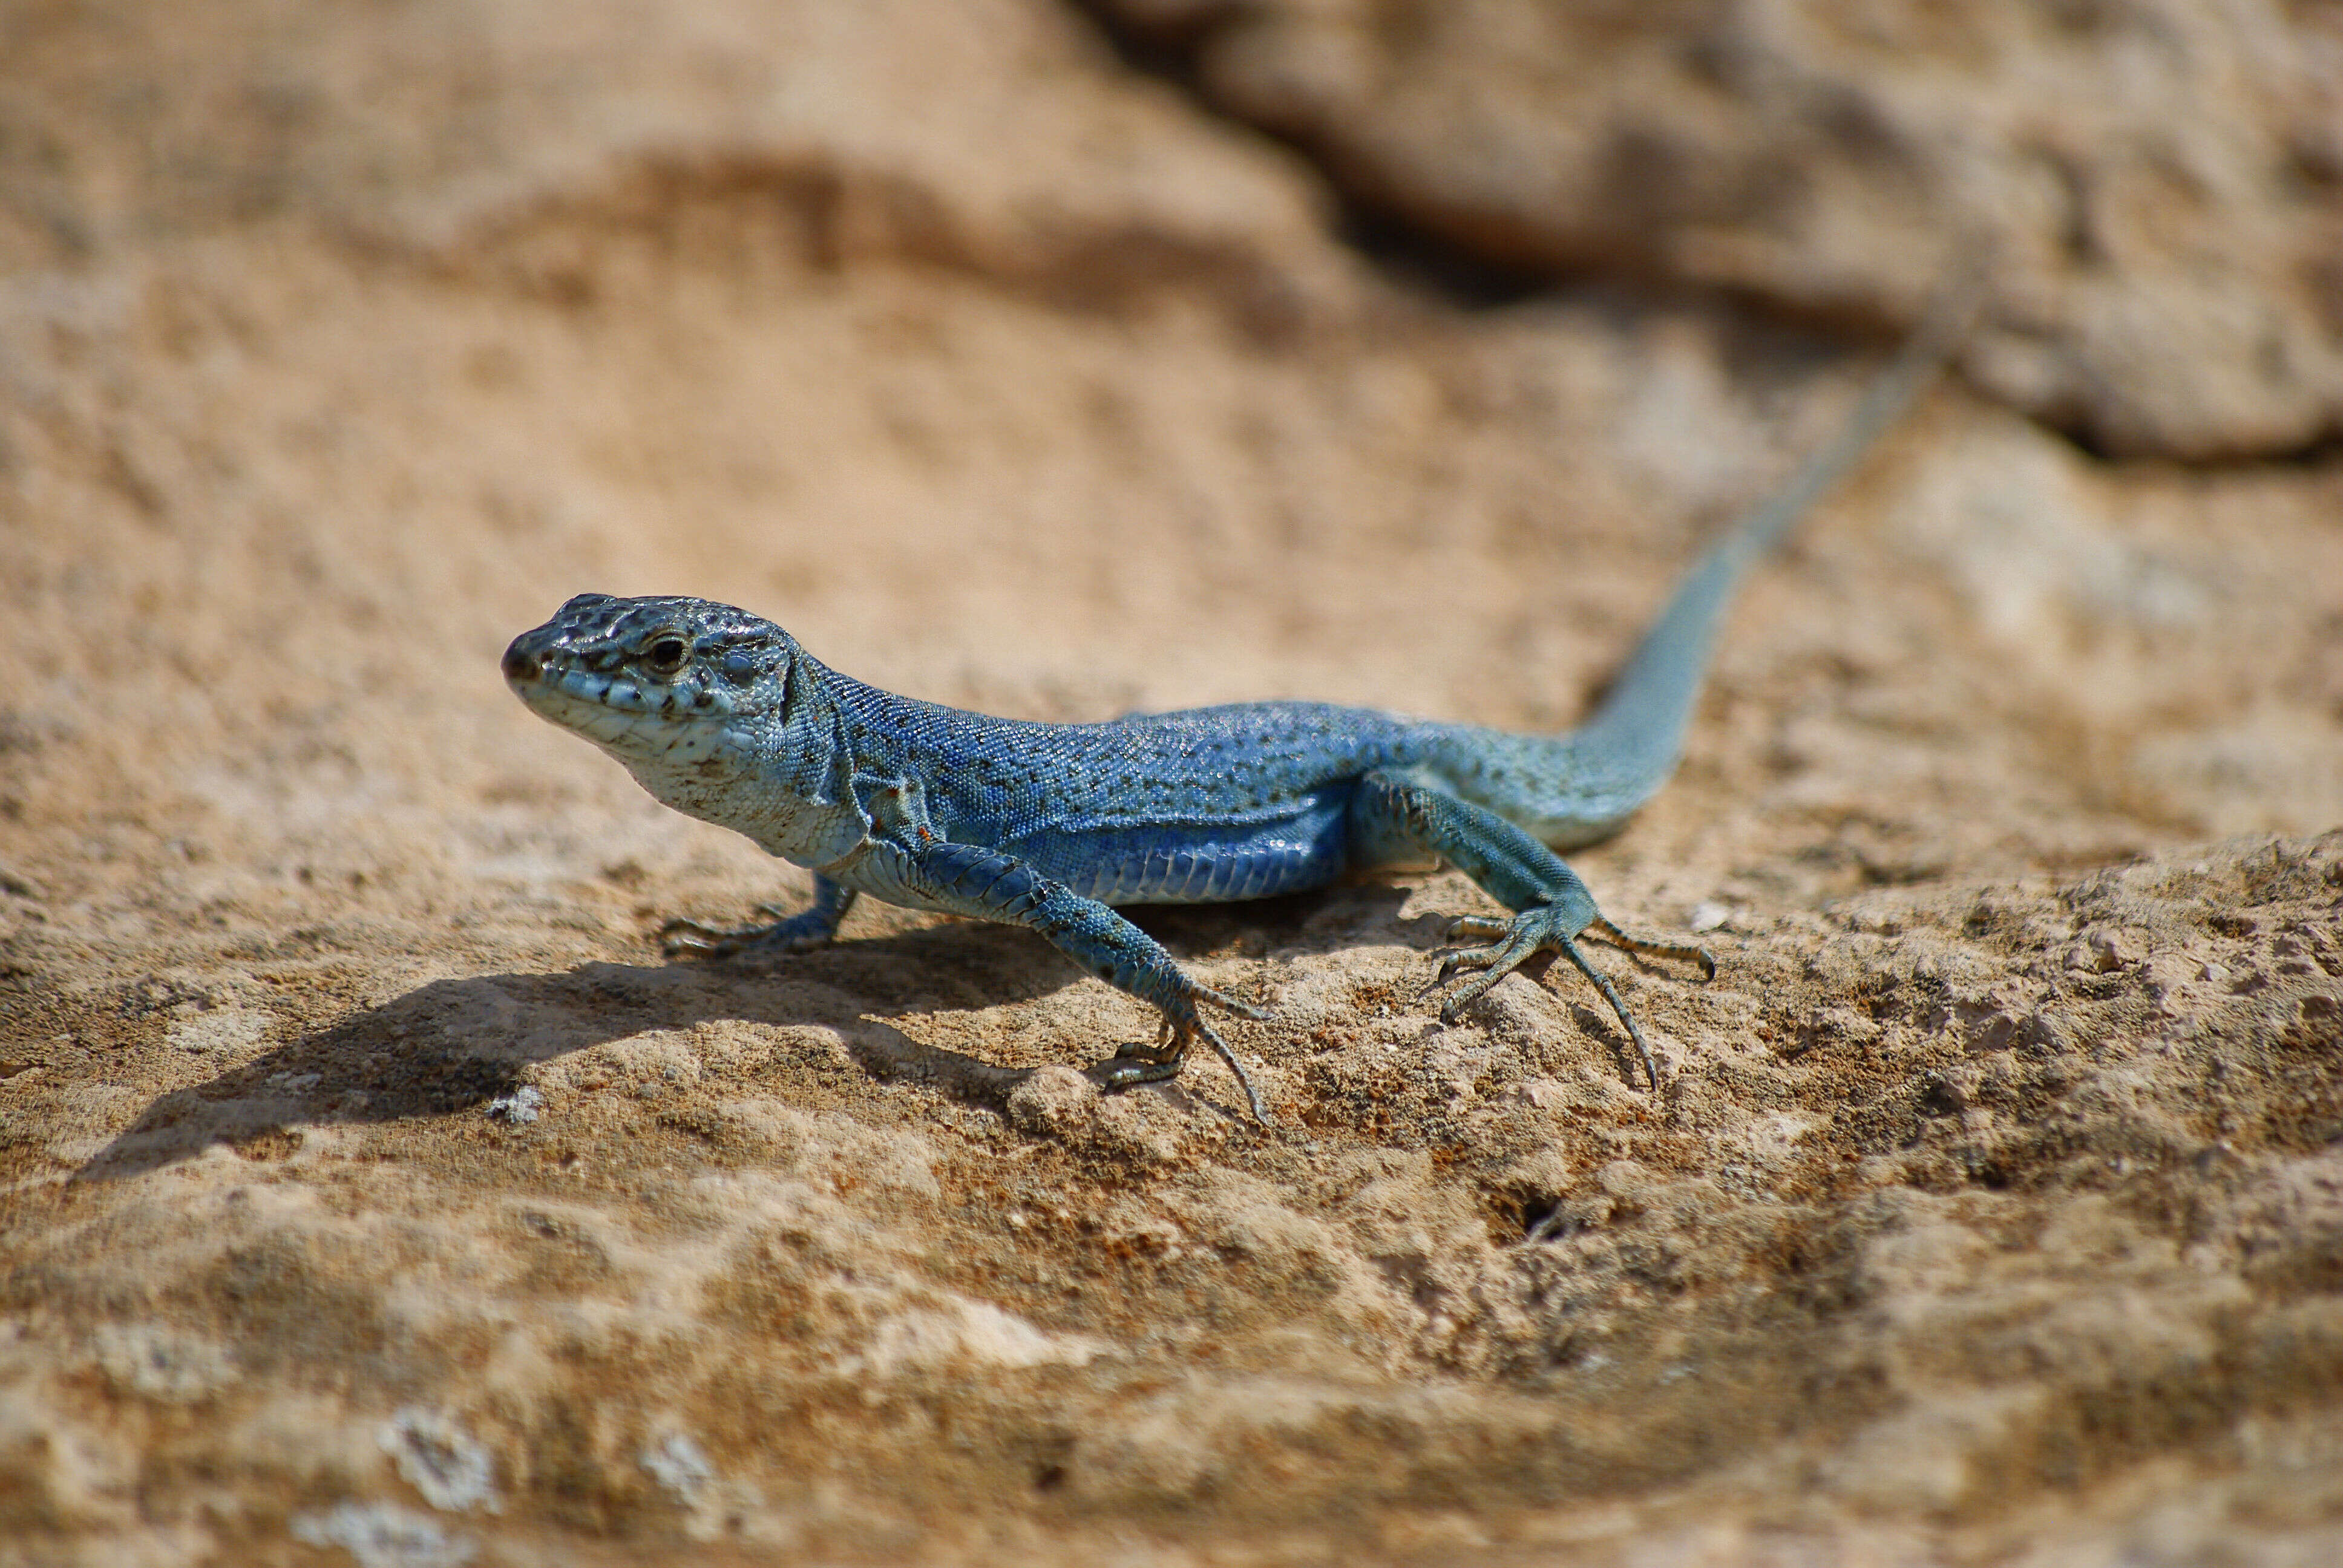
(721, 715)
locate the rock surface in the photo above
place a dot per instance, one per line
(2147, 183)
(371, 1192)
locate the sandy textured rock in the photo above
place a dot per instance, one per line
(2158, 184)
(371, 1192)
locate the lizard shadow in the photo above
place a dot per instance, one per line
(450, 1046)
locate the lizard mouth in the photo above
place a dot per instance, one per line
(641, 724)
(569, 694)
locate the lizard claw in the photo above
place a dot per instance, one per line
(689, 938)
(1135, 1065)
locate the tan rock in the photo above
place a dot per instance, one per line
(372, 1191)
(2155, 188)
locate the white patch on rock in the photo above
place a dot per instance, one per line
(961, 1333)
(439, 1460)
(384, 1535)
(226, 1031)
(160, 1362)
(677, 1463)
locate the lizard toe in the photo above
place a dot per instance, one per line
(1125, 1071)
(1522, 938)
(1480, 928)
(681, 939)
(1243, 1009)
(1134, 1065)
(796, 934)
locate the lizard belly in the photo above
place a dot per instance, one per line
(1198, 863)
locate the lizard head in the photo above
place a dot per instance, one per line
(651, 679)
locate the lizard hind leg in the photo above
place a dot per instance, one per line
(1552, 908)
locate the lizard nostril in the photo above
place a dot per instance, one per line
(519, 663)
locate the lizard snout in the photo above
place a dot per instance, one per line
(520, 660)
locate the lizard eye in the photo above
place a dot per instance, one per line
(666, 655)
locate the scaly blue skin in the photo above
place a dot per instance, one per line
(722, 716)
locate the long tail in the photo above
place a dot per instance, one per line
(1593, 778)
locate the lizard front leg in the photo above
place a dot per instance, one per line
(894, 805)
(970, 879)
(788, 933)
(1392, 812)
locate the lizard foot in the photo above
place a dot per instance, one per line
(1510, 943)
(1134, 1065)
(790, 933)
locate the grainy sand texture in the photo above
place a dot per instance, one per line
(372, 1191)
